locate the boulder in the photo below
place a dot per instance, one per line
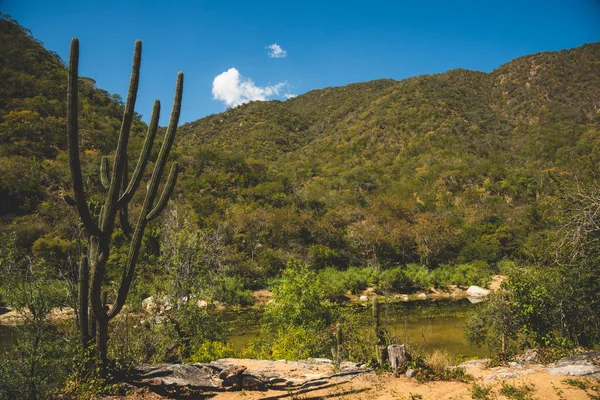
(476, 291)
(584, 364)
(201, 304)
(363, 298)
(178, 375)
(421, 296)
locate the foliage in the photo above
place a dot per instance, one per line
(210, 351)
(481, 392)
(523, 392)
(437, 367)
(299, 320)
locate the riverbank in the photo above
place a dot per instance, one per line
(262, 297)
(317, 379)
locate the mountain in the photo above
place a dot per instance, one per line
(457, 167)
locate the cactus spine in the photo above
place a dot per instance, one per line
(120, 191)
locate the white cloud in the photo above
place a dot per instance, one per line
(289, 95)
(275, 51)
(233, 89)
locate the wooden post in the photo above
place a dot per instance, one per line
(398, 356)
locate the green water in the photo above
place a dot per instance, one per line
(425, 325)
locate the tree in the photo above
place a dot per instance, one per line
(120, 191)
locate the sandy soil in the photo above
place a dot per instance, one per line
(373, 386)
(370, 386)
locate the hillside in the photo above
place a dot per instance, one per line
(452, 168)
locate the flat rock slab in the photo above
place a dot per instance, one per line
(584, 364)
(237, 374)
(196, 376)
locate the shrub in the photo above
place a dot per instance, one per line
(300, 316)
(394, 279)
(230, 290)
(212, 350)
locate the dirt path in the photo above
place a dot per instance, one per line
(316, 379)
(372, 386)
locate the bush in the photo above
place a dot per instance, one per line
(419, 275)
(394, 280)
(333, 284)
(475, 273)
(212, 350)
(527, 313)
(230, 290)
(300, 316)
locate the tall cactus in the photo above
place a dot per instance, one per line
(120, 190)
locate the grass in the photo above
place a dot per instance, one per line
(590, 386)
(481, 392)
(523, 392)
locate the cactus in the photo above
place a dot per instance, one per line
(94, 321)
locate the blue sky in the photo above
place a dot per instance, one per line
(222, 46)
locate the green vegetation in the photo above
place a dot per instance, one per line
(481, 392)
(523, 392)
(120, 192)
(436, 180)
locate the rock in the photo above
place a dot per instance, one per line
(584, 364)
(201, 304)
(410, 373)
(475, 300)
(474, 363)
(421, 296)
(320, 360)
(197, 376)
(250, 382)
(231, 371)
(363, 298)
(476, 291)
(148, 304)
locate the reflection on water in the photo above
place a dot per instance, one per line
(426, 325)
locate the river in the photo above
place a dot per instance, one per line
(426, 325)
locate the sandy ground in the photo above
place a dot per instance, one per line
(373, 386)
(370, 385)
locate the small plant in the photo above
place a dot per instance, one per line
(581, 384)
(587, 385)
(524, 392)
(481, 392)
(413, 396)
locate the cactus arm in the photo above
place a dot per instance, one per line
(125, 224)
(120, 156)
(144, 157)
(83, 300)
(166, 193)
(123, 212)
(73, 141)
(136, 240)
(104, 172)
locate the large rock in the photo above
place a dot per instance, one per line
(196, 376)
(584, 364)
(476, 291)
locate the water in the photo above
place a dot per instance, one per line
(425, 325)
